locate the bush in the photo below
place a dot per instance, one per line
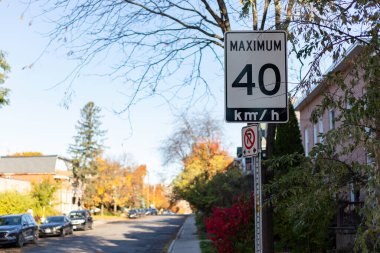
(13, 202)
(231, 229)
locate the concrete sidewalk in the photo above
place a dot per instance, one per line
(187, 239)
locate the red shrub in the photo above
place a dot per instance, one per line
(231, 229)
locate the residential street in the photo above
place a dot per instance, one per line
(148, 234)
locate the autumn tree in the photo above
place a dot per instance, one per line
(87, 144)
(137, 180)
(159, 196)
(112, 185)
(189, 130)
(4, 69)
(27, 154)
(203, 163)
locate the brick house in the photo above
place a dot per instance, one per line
(346, 223)
(28, 169)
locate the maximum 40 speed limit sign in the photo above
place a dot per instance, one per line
(256, 76)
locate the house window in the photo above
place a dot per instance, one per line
(332, 119)
(306, 142)
(315, 134)
(370, 160)
(320, 123)
(352, 192)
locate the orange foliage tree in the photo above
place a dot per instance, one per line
(112, 185)
(204, 162)
(116, 186)
(158, 196)
(137, 180)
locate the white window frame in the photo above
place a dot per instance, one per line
(331, 119)
(306, 135)
(315, 134)
(320, 128)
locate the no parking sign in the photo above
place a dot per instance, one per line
(250, 140)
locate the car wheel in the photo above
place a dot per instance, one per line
(20, 240)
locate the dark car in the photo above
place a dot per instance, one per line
(18, 229)
(56, 225)
(153, 211)
(81, 219)
(133, 214)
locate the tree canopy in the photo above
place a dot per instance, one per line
(4, 70)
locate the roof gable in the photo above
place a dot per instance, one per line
(29, 164)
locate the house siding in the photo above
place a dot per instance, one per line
(35, 170)
(344, 234)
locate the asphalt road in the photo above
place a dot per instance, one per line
(150, 234)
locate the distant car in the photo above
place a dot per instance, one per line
(18, 229)
(153, 211)
(81, 219)
(56, 225)
(132, 214)
(167, 212)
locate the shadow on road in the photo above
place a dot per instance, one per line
(144, 235)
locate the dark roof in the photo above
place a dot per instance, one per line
(29, 164)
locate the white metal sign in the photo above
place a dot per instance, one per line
(250, 140)
(256, 76)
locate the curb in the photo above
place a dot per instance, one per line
(178, 235)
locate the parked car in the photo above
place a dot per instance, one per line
(153, 211)
(81, 219)
(167, 212)
(18, 229)
(56, 225)
(133, 214)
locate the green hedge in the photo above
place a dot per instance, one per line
(13, 202)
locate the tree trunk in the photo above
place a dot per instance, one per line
(267, 176)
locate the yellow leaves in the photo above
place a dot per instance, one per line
(206, 156)
(27, 154)
(206, 160)
(118, 184)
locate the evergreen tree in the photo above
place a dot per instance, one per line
(288, 136)
(87, 143)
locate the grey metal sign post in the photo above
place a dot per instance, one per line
(258, 205)
(252, 149)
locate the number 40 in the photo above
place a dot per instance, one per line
(250, 84)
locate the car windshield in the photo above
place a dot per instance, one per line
(74, 215)
(54, 219)
(4, 221)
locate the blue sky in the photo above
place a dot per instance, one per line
(35, 120)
